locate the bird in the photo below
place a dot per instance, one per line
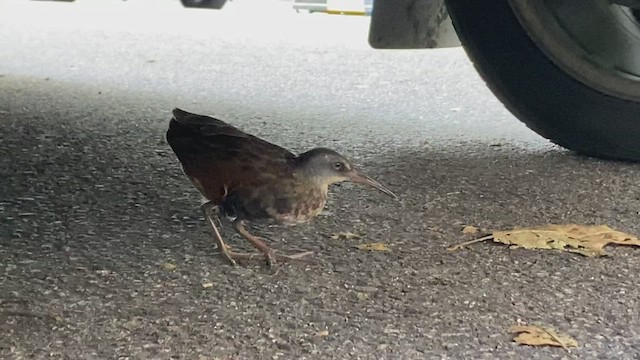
(250, 180)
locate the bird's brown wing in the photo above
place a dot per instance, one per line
(220, 158)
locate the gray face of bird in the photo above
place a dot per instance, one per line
(327, 167)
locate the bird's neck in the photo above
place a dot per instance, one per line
(307, 180)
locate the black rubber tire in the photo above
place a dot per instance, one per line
(546, 98)
(209, 4)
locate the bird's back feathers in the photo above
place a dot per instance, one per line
(220, 158)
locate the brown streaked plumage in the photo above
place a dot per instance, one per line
(249, 179)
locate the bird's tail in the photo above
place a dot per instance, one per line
(202, 125)
(180, 115)
(179, 126)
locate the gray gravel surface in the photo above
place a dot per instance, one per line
(104, 253)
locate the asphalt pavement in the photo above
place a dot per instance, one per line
(104, 253)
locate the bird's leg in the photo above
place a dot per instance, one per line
(207, 209)
(269, 254)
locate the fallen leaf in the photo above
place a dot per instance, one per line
(588, 240)
(169, 266)
(541, 336)
(373, 247)
(323, 333)
(132, 324)
(207, 285)
(346, 235)
(470, 230)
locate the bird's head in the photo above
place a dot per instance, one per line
(326, 167)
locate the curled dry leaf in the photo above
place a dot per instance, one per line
(373, 247)
(169, 266)
(541, 336)
(470, 230)
(344, 235)
(588, 240)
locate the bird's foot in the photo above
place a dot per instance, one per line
(233, 257)
(272, 257)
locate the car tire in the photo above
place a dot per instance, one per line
(209, 4)
(547, 96)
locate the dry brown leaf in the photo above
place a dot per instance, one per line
(169, 266)
(344, 235)
(588, 240)
(470, 230)
(373, 247)
(541, 336)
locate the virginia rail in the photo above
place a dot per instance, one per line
(248, 179)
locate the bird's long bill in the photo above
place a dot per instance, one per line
(364, 179)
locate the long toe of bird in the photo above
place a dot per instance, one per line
(274, 257)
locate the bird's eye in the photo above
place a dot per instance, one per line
(338, 166)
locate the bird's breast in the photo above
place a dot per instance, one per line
(298, 206)
(284, 202)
